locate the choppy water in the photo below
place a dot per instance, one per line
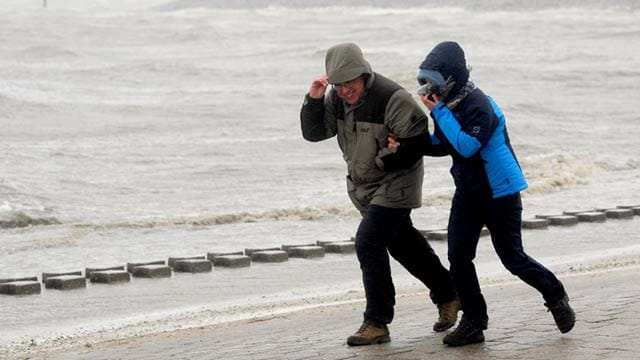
(147, 129)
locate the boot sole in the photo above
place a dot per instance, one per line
(359, 342)
(471, 341)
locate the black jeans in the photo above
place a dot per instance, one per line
(503, 218)
(383, 229)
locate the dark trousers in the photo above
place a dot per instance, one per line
(385, 229)
(503, 218)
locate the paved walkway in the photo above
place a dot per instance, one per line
(607, 305)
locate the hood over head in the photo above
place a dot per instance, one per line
(345, 62)
(446, 59)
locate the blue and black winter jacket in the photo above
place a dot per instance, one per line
(475, 135)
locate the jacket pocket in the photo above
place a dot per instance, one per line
(351, 191)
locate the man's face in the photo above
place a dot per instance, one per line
(350, 91)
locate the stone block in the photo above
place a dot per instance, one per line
(172, 260)
(306, 252)
(132, 265)
(287, 247)
(212, 255)
(29, 278)
(636, 210)
(443, 234)
(65, 282)
(485, 232)
(593, 216)
(232, 261)
(538, 223)
(619, 213)
(46, 275)
(340, 247)
(250, 251)
(152, 271)
(324, 243)
(545, 216)
(110, 276)
(576, 212)
(192, 265)
(563, 220)
(88, 271)
(436, 234)
(21, 287)
(269, 256)
(628, 206)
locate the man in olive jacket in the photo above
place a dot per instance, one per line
(362, 109)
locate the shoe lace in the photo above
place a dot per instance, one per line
(365, 325)
(559, 306)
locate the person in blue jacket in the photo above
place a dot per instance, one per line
(471, 128)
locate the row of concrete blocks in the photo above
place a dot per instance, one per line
(591, 215)
(161, 268)
(198, 264)
(567, 218)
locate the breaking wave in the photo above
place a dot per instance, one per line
(292, 214)
(554, 171)
(21, 220)
(307, 213)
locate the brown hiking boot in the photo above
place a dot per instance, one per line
(369, 333)
(448, 315)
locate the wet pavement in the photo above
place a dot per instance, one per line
(605, 302)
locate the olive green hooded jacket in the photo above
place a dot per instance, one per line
(362, 130)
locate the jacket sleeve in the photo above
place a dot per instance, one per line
(436, 148)
(317, 118)
(408, 122)
(466, 139)
(406, 154)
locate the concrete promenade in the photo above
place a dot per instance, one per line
(607, 305)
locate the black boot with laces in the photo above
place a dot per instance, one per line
(563, 314)
(466, 333)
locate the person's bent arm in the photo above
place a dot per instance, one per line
(436, 148)
(317, 116)
(408, 123)
(467, 140)
(465, 144)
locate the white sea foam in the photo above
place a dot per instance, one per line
(557, 170)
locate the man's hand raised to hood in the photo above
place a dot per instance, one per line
(318, 87)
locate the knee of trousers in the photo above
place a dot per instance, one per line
(460, 258)
(517, 265)
(367, 248)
